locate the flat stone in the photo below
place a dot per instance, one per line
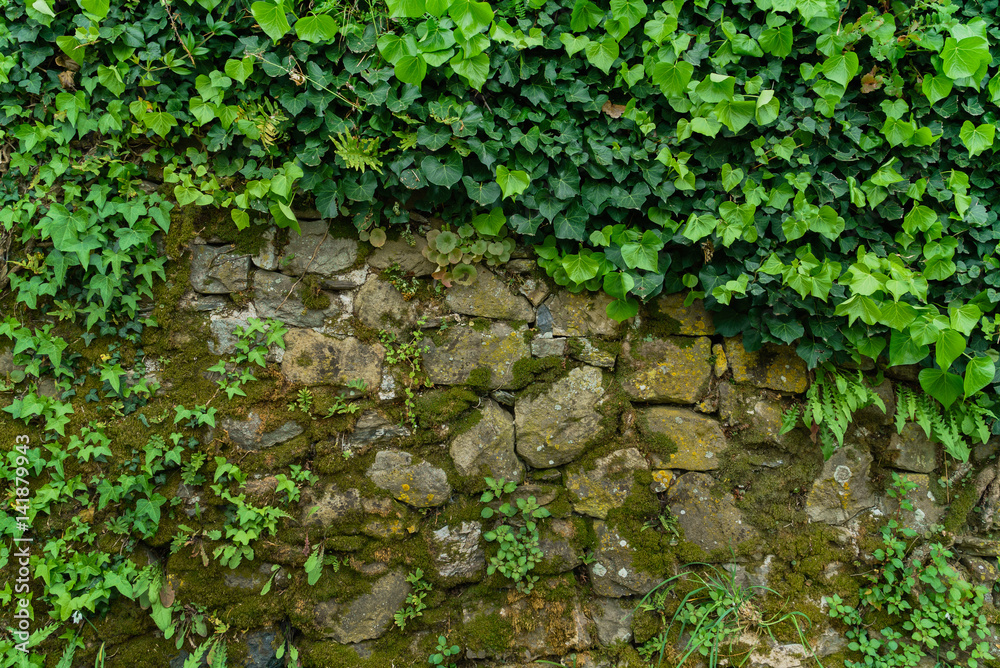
(774, 367)
(313, 359)
(912, 450)
(543, 320)
(596, 491)
(487, 449)
(266, 257)
(671, 370)
(409, 259)
(842, 489)
(613, 618)
(557, 628)
(560, 545)
(249, 434)
(691, 320)
(548, 347)
(534, 289)
(195, 301)
(612, 574)
(979, 547)
(223, 325)
(926, 511)
(380, 306)
(489, 297)
(709, 521)
(331, 508)
(982, 572)
(699, 439)
(583, 349)
(464, 349)
(458, 552)
(554, 427)
(276, 296)
(316, 252)
(582, 314)
(218, 270)
(875, 415)
(420, 485)
(754, 417)
(371, 428)
(367, 617)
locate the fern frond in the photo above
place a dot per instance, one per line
(358, 153)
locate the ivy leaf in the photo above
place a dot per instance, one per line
(904, 350)
(672, 78)
(943, 386)
(621, 310)
(735, 115)
(777, 41)
(948, 347)
(767, 107)
(240, 70)
(574, 43)
(580, 268)
(483, 194)
(411, 69)
(572, 224)
(271, 18)
(328, 199)
(315, 28)
(443, 171)
(841, 68)
(977, 138)
(512, 182)
(731, 177)
(472, 17)
(617, 284)
(783, 329)
(632, 11)
(585, 15)
(897, 315)
(964, 318)
(859, 306)
(936, 88)
(979, 373)
(474, 70)
(159, 122)
(97, 10)
(963, 57)
(603, 54)
(644, 253)
(411, 9)
(490, 224)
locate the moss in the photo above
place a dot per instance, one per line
(490, 632)
(481, 324)
(540, 372)
(479, 379)
(441, 406)
(964, 500)
(771, 497)
(311, 294)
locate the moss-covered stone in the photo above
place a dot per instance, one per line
(674, 370)
(774, 367)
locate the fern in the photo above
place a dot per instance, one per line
(951, 427)
(358, 153)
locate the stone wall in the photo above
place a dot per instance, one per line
(654, 444)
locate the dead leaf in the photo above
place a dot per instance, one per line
(66, 80)
(67, 62)
(167, 595)
(871, 81)
(613, 110)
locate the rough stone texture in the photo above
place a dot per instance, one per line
(218, 270)
(536, 290)
(554, 427)
(925, 511)
(691, 320)
(267, 257)
(409, 258)
(981, 571)
(754, 417)
(663, 479)
(542, 347)
(466, 348)
(333, 506)
(672, 370)
(613, 618)
(380, 306)
(912, 450)
(595, 492)
(388, 518)
(314, 359)
(223, 326)
(366, 617)
(488, 448)
(458, 552)
(590, 354)
(581, 314)
(699, 439)
(559, 543)
(249, 434)
(489, 297)
(372, 428)
(874, 414)
(612, 574)
(721, 365)
(275, 297)
(709, 521)
(842, 489)
(331, 254)
(195, 301)
(774, 367)
(557, 627)
(6, 362)
(979, 547)
(420, 485)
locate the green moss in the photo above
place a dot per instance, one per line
(491, 632)
(312, 295)
(965, 499)
(479, 379)
(771, 497)
(540, 372)
(482, 324)
(441, 406)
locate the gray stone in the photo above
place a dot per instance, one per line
(458, 552)
(487, 449)
(582, 314)
(754, 417)
(380, 306)
(367, 617)
(842, 489)
(875, 415)
(331, 508)
(276, 296)
(548, 347)
(613, 618)
(266, 257)
(981, 571)
(774, 367)
(709, 521)
(218, 270)
(559, 543)
(913, 450)
(464, 349)
(409, 259)
(249, 434)
(223, 325)
(979, 547)
(313, 359)
(261, 650)
(926, 511)
(489, 297)
(699, 439)
(596, 491)
(6, 362)
(554, 427)
(543, 320)
(588, 353)
(420, 485)
(612, 574)
(372, 428)
(534, 289)
(316, 252)
(556, 628)
(195, 301)
(671, 370)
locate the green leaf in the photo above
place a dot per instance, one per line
(585, 15)
(735, 115)
(963, 57)
(632, 11)
(964, 318)
(474, 70)
(731, 177)
(573, 43)
(841, 68)
(949, 346)
(315, 28)
(472, 17)
(603, 54)
(621, 310)
(411, 9)
(97, 9)
(897, 315)
(512, 182)
(943, 386)
(936, 88)
(411, 69)
(159, 122)
(903, 350)
(977, 138)
(979, 373)
(777, 41)
(644, 253)
(860, 306)
(580, 268)
(490, 224)
(617, 284)
(271, 18)
(767, 107)
(784, 329)
(672, 78)
(241, 218)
